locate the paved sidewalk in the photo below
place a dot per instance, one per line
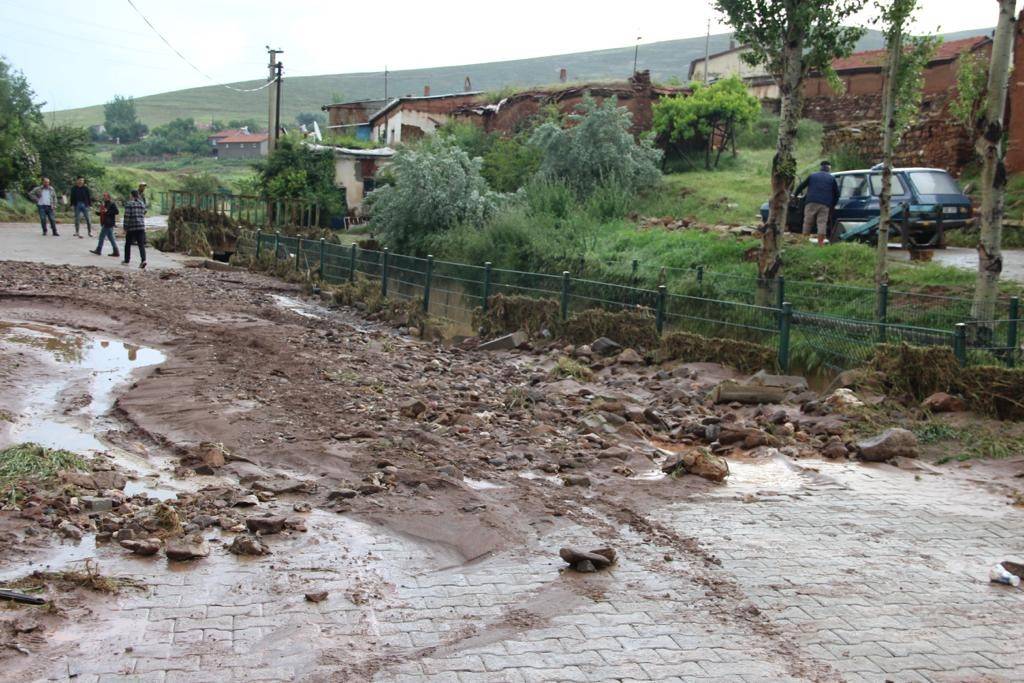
(25, 242)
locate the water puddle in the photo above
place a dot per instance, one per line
(536, 476)
(298, 307)
(480, 484)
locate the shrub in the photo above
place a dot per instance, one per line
(597, 149)
(437, 186)
(295, 171)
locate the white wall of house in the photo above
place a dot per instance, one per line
(346, 170)
(428, 122)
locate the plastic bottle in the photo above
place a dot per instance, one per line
(998, 574)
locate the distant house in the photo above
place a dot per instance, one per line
(410, 118)
(241, 146)
(352, 118)
(730, 62)
(355, 171)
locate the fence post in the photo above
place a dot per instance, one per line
(700, 280)
(960, 343)
(565, 295)
(322, 246)
(1011, 331)
(787, 317)
(636, 267)
(352, 263)
(780, 295)
(298, 251)
(487, 284)
(384, 273)
(882, 312)
(426, 286)
(259, 242)
(277, 245)
(659, 318)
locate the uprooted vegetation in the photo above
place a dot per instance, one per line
(89, 577)
(28, 465)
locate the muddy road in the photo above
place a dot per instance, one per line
(362, 505)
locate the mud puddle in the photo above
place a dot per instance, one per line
(306, 310)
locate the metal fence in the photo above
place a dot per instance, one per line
(795, 325)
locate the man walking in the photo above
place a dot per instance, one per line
(822, 195)
(45, 198)
(135, 228)
(108, 219)
(81, 202)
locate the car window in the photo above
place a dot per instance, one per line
(897, 185)
(934, 182)
(852, 185)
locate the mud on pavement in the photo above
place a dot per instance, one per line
(274, 490)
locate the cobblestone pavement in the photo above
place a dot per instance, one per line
(825, 572)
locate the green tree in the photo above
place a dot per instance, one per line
(989, 131)
(200, 183)
(121, 121)
(712, 112)
(19, 115)
(597, 150)
(64, 154)
(971, 80)
(253, 125)
(901, 101)
(307, 118)
(789, 38)
(436, 186)
(295, 171)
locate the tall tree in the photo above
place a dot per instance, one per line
(789, 38)
(989, 131)
(121, 121)
(19, 116)
(901, 99)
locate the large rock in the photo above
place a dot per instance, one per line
(506, 343)
(108, 480)
(188, 548)
(891, 443)
(698, 462)
(265, 525)
(211, 454)
(248, 544)
(630, 357)
(413, 408)
(788, 383)
(603, 346)
(144, 547)
(942, 402)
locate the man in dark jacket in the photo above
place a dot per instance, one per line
(81, 202)
(822, 196)
(108, 219)
(135, 228)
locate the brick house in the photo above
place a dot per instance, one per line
(241, 146)
(410, 118)
(352, 118)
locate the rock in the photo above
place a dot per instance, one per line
(575, 480)
(96, 503)
(729, 391)
(942, 402)
(211, 454)
(246, 501)
(889, 444)
(584, 561)
(788, 383)
(109, 480)
(203, 521)
(582, 352)
(835, 451)
(187, 548)
(413, 408)
(603, 346)
(370, 489)
(248, 544)
(316, 596)
(80, 479)
(585, 567)
(342, 494)
(506, 343)
(280, 485)
(302, 506)
(629, 357)
(265, 525)
(749, 437)
(69, 530)
(146, 547)
(843, 398)
(700, 463)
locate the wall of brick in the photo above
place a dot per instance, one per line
(1015, 104)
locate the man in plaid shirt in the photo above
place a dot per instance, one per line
(135, 228)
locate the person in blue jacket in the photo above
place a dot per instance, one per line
(822, 196)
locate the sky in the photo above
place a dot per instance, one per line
(82, 53)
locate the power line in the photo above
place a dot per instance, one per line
(185, 59)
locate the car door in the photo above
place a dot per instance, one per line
(854, 198)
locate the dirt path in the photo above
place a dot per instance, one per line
(435, 479)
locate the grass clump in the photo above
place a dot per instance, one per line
(88, 577)
(630, 329)
(693, 348)
(568, 367)
(29, 463)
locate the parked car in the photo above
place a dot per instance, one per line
(926, 202)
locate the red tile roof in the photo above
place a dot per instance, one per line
(876, 58)
(224, 133)
(243, 137)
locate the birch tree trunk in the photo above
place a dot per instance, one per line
(993, 173)
(888, 137)
(769, 262)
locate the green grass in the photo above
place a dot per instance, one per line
(31, 463)
(972, 442)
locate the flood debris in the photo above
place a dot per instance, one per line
(588, 561)
(699, 462)
(892, 443)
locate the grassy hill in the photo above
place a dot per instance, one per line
(666, 60)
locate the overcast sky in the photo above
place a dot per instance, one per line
(82, 53)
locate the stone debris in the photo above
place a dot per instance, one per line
(895, 442)
(698, 462)
(506, 343)
(586, 562)
(192, 547)
(603, 346)
(271, 524)
(145, 547)
(248, 544)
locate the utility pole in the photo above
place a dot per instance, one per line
(707, 52)
(636, 52)
(385, 85)
(274, 100)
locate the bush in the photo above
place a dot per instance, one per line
(764, 132)
(598, 149)
(437, 186)
(295, 171)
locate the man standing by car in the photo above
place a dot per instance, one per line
(822, 196)
(81, 202)
(45, 198)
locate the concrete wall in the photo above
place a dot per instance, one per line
(242, 150)
(729, 64)
(350, 172)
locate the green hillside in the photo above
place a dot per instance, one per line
(666, 60)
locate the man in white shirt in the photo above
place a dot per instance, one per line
(46, 201)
